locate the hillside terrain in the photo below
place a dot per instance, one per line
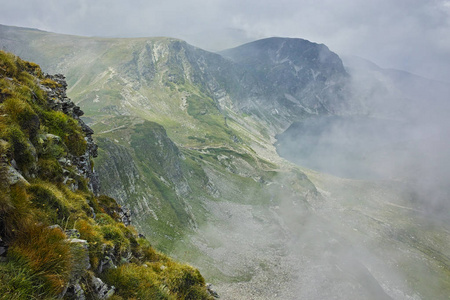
(186, 143)
(58, 238)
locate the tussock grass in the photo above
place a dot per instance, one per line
(50, 83)
(15, 212)
(18, 282)
(44, 252)
(68, 129)
(158, 280)
(41, 259)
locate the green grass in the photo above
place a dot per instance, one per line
(41, 261)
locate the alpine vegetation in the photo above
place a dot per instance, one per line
(276, 168)
(58, 237)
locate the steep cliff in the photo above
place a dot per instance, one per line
(58, 238)
(209, 187)
(283, 80)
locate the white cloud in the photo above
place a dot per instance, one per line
(405, 34)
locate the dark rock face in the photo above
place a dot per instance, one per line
(290, 78)
(152, 138)
(211, 291)
(75, 292)
(125, 216)
(119, 174)
(59, 101)
(3, 249)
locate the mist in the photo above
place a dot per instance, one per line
(376, 225)
(378, 220)
(408, 35)
(401, 135)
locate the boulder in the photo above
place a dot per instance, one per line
(101, 289)
(13, 176)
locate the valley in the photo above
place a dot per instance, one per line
(192, 143)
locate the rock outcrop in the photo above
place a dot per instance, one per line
(58, 238)
(59, 101)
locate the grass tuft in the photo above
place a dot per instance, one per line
(41, 260)
(45, 253)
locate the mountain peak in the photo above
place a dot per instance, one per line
(279, 49)
(291, 70)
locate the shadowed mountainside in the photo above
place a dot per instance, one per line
(186, 143)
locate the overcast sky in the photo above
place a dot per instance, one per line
(412, 35)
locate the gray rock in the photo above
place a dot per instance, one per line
(13, 176)
(72, 234)
(211, 291)
(101, 289)
(125, 216)
(93, 212)
(75, 292)
(52, 137)
(80, 251)
(14, 164)
(57, 100)
(56, 226)
(3, 248)
(105, 264)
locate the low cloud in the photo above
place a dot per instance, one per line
(410, 35)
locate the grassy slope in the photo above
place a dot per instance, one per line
(227, 176)
(41, 260)
(381, 216)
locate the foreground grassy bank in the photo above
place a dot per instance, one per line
(57, 238)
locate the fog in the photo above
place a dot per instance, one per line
(368, 231)
(401, 135)
(409, 35)
(382, 202)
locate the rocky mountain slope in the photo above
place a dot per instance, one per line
(186, 143)
(58, 238)
(284, 79)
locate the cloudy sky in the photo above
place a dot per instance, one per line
(412, 35)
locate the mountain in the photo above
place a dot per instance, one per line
(395, 93)
(58, 238)
(290, 78)
(186, 142)
(401, 135)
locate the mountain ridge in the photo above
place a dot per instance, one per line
(247, 210)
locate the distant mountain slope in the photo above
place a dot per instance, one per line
(286, 73)
(397, 94)
(186, 143)
(285, 80)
